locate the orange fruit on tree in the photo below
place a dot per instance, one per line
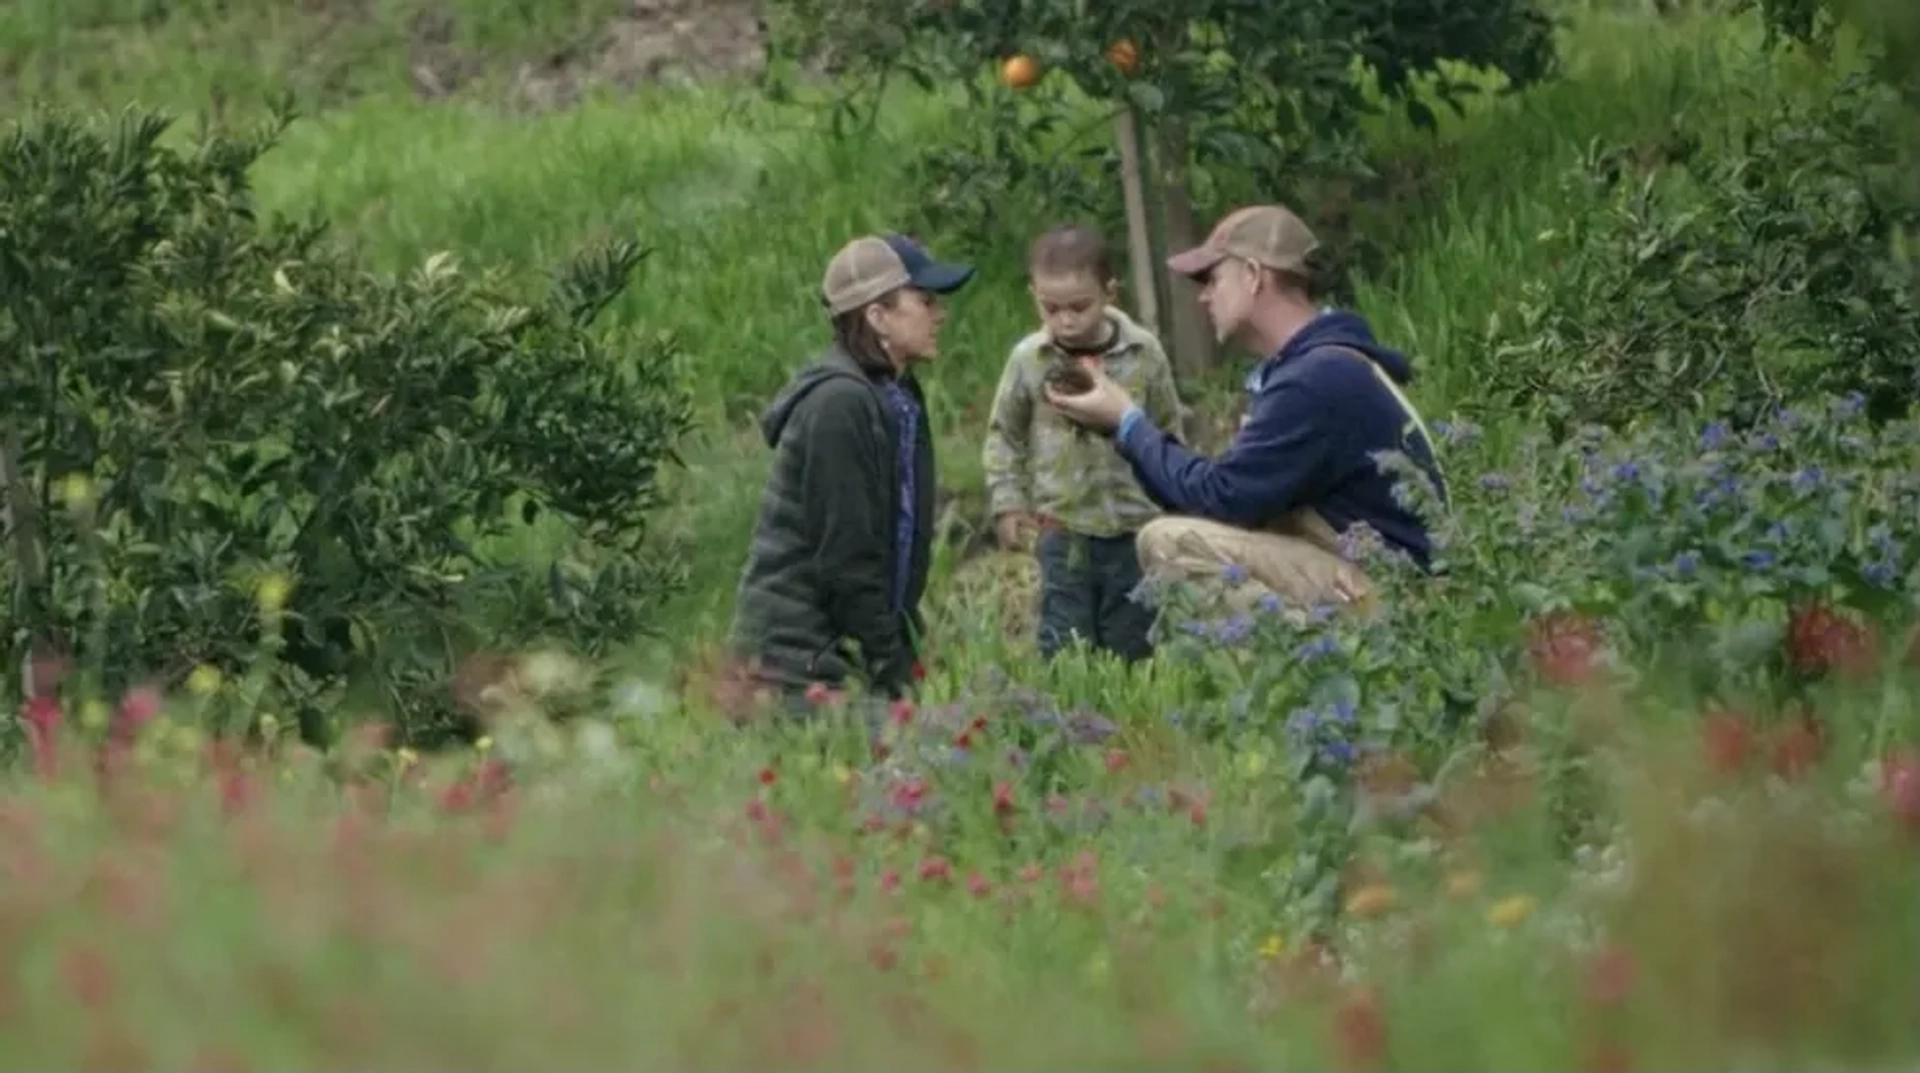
(1124, 55)
(1020, 71)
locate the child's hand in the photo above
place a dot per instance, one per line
(1013, 529)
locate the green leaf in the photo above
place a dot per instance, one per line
(1147, 97)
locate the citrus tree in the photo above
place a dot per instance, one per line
(1265, 90)
(1890, 29)
(228, 445)
(1890, 32)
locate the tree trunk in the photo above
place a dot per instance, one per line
(22, 529)
(1191, 336)
(1133, 179)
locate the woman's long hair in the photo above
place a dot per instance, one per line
(856, 336)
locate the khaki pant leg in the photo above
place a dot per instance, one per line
(1295, 566)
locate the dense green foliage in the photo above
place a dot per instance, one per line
(1239, 98)
(219, 398)
(1731, 282)
(1223, 67)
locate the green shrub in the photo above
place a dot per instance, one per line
(226, 398)
(1764, 274)
(1761, 571)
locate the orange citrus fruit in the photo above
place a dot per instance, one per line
(1020, 71)
(1124, 55)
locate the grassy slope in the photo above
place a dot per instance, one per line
(201, 51)
(743, 203)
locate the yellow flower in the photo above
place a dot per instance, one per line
(204, 681)
(1508, 912)
(1464, 884)
(1371, 900)
(485, 744)
(94, 714)
(405, 757)
(272, 593)
(1273, 946)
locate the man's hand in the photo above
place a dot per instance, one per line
(1013, 529)
(1099, 408)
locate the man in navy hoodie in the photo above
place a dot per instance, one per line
(1323, 404)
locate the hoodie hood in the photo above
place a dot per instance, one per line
(835, 363)
(1341, 328)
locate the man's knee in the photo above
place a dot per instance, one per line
(1181, 545)
(1158, 542)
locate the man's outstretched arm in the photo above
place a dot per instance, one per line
(1276, 462)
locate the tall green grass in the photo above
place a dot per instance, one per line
(236, 52)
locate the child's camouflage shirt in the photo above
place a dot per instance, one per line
(1039, 462)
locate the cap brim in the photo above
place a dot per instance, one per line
(1195, 262)
(942, 279)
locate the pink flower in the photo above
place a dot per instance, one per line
(936, 870)
(1610, 977)
(88, 976)
(1080, 880)
(1900, 788)
(1002, 798)
(237, 790)
(42, 716)
(138, 708)
(908, 795)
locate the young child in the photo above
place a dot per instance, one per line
(1046, 473)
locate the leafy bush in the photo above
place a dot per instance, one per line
(1762, 274)
(226, 400)
(984, 178)
(1748, 568)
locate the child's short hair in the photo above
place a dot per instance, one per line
(1070, 249)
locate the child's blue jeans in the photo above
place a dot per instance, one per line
(1086, 590)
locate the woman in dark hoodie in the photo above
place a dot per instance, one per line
(832, 585)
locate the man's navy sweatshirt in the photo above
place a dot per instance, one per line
(1316, 417)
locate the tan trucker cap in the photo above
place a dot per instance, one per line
(872, 266)
(1264, 234)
